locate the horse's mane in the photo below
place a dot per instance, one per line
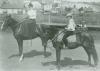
(52, 31)
(12, 20)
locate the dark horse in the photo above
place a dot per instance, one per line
(15, 26)
(84, 39)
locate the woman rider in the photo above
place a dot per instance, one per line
(28, 28)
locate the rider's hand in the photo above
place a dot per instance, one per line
(66, 28)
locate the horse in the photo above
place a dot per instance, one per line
(19, 36)
(83, 39)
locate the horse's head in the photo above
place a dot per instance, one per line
(6, 22)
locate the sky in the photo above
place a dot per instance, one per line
(84, 0)
(66, 0)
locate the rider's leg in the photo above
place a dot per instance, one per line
(67, 34)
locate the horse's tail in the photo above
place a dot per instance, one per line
(94, 52)
(95, 56)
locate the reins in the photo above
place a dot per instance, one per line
(18, 23)
(56, 36)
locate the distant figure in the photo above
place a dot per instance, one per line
(82, 15)
(74, 10)
(81, 11)
(69, 29)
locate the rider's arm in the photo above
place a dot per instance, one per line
(71, 25)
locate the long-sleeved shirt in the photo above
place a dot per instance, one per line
(31, 14)
(71, 26)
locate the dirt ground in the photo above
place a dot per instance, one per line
(71, 60)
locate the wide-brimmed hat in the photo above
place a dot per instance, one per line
(30, 5)
(69, 15)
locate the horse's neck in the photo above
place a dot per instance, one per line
(14, 24)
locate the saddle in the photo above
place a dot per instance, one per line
(28, 28)
(71, 38)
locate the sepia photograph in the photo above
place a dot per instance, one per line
(49, 35)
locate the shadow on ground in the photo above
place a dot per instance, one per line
(31, 54)
(66, 62)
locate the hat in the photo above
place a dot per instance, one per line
(69, 15)
(30, 4)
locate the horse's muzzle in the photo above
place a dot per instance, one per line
(2, 26)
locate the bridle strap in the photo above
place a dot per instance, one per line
(18, 23)
(57, 35)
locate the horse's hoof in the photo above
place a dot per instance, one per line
(54, 70)
(58, 67)
(21, 59)
(45, 56)
(96, 64)
(91, 65)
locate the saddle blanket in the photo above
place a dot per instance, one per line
(60, 36)
(72, 38)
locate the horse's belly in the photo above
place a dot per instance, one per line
(29, 37)
(73, 45)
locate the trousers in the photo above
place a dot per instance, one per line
(67, 34)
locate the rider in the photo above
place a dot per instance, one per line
(29, 24)
(31, 12)
(69, 29)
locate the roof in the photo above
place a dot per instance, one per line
(0, 3)
(12, 6)
(15, 4)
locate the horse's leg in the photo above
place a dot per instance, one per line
(44, 44)
(20, 45)
(92, 52)
(89, 59)
(58, 53)
(95, 56)
(89, 55)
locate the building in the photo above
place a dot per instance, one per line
(11, 8)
